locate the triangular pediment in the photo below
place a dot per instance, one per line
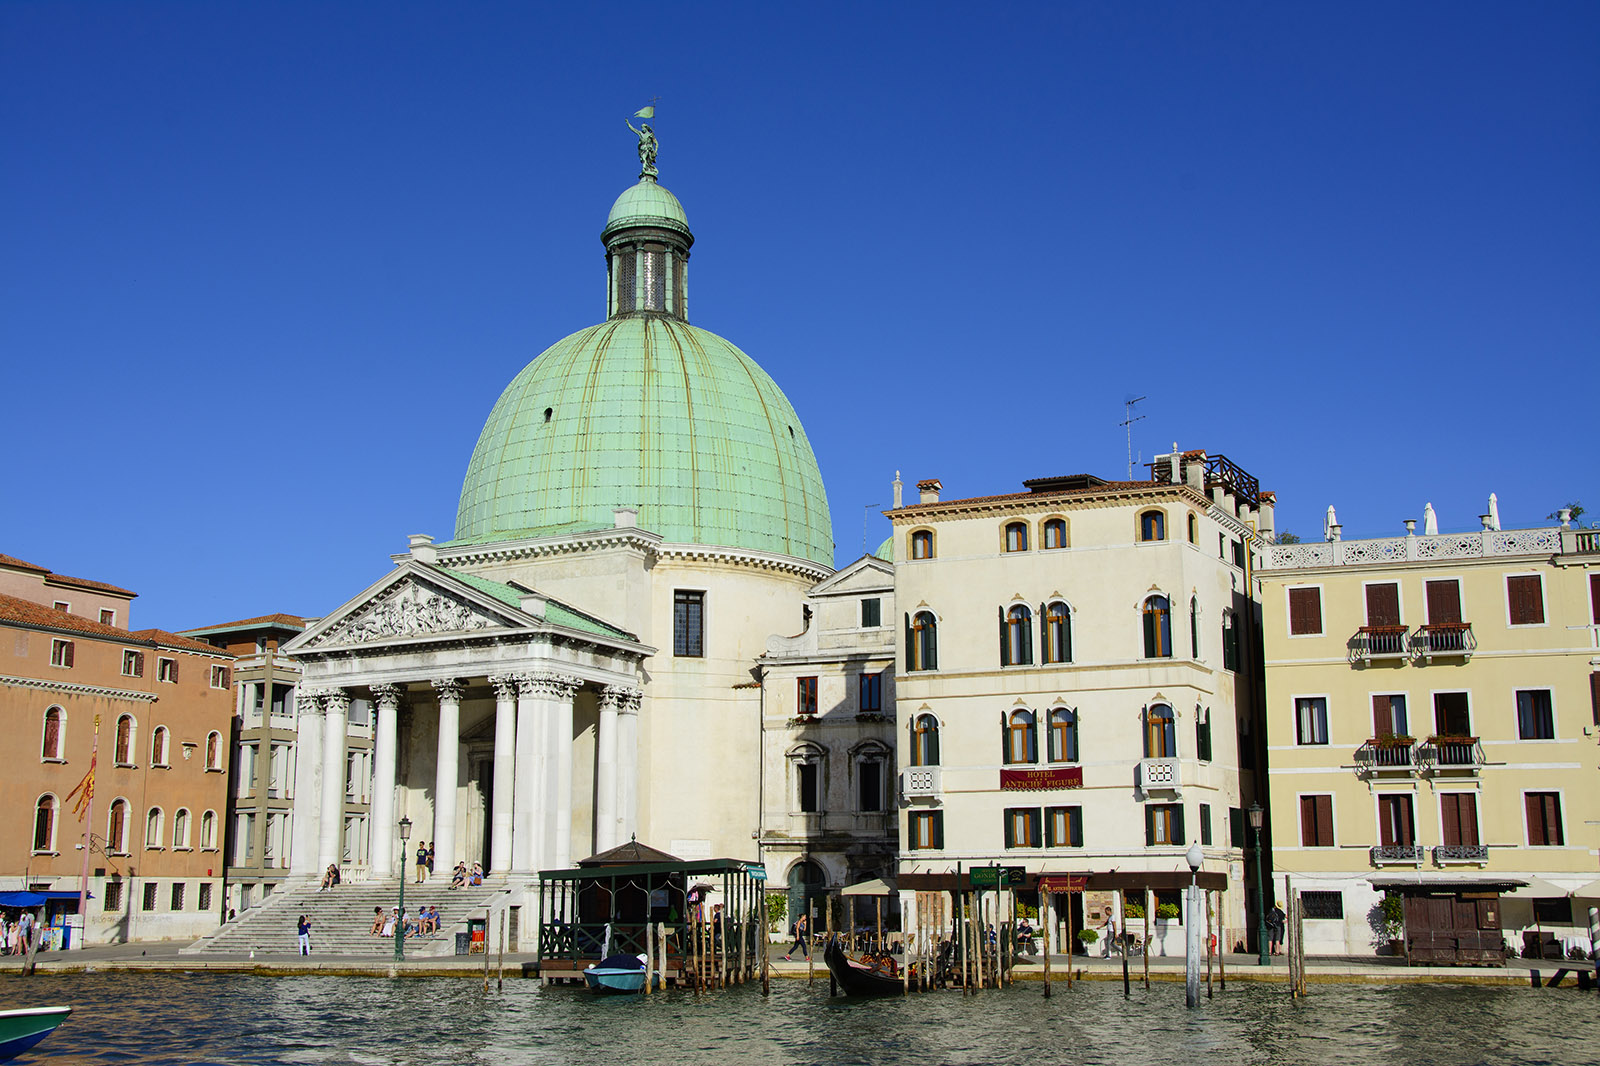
(868, 573)
(413, 602)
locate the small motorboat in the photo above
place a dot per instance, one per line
(617, 974)
(858, 978)
(21, 1029)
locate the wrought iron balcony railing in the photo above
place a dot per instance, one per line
(1380, 642)
(1448, 853)
(1389, 853)
(1445, 638)
(1450, 753)
(1388, 754)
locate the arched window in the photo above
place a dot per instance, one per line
(1194, 627)
(152, 828)
(1057, 633)
(922, 642)
(1194, 529)
(1157, 628)
(208, 831)
(117, 828)
(1160, 733)
(158, 746)
(1016, 636)
(44, 824)
(1016, 536)
(922, 544)
(925, 741)
(213, 750)
(50, 747)
(1055, 533)
(124, 748)
(1153, 526)
(180, 828)
(1063, 735)
(1022, 738)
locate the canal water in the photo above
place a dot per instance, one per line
(215, 1018)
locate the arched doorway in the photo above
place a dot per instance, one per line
(807, 882)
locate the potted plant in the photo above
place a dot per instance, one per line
(1166, 912)
(1392, 914)
(1086, 939)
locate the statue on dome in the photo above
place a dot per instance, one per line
(647, 142)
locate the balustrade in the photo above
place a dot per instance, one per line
(1387, 753)
(1448, 853)
(1451, 753)
(1390, 853)
(1380, 642)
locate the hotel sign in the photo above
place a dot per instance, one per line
(1041, 780)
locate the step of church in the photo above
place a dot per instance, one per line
(342, 917)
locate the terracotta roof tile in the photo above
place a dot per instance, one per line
(18, 611)
(1109, 486)
(292, 621)
(83, 582)
(17, 564)
(172, 640)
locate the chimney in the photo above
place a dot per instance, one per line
(626, 517)
(1269, 506)
(1194, 469)
(928, 491)
(899, 491)
(422, 549)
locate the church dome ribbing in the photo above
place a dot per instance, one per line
(646, 411)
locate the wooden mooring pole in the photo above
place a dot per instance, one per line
(1048, 931)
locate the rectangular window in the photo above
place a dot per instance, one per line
(1458, 818)
(688, 624)
(1063, 827)
(1022, 827)
(1163, 824)
(1202, 737)
(1322, 905)
(63, 606)
(108, 617)
(1536, 716)
(204, 902)
(869, 782)
(1553, 910)
(1396, 825)
(871, 694)
(1444, 601)
(1389, 715)
(132, 663)
(113, 901)
(219, 677)
(805, 696)
(177, 895)
(1383, 604)
(1205, 824)
(1450, 714)
(1230, 641)
(1544, 819)
(167, 670)
(1311, 720)
(925, 831)
(1238, 824)
(1594, 697)
(1316, 821)
(1525, 600)
(1305, 612)
(61, 653)
(150, 895)
(1238, 553)
(810, 795)
(871, 613)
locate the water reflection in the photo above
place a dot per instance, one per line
(208, 1018)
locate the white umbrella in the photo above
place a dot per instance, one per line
(1494, 511)
(1328, 523)
(1430, 521)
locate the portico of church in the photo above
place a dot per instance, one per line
(508, 735)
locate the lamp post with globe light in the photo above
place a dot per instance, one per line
(1257, 816)
(400, 920)
(1193, 943)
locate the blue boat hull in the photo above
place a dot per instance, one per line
(21, 1029)
(617, 982)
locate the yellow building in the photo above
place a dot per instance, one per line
(1431, 716)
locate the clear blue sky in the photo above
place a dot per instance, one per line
(264, 267)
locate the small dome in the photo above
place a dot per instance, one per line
(646, 204)
(886, 549)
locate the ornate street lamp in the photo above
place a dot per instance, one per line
(1193, 942)
(1257, 816)
(400, 922)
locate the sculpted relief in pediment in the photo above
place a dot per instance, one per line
(409, 610)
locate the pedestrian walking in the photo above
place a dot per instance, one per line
(302, 929)
(1276, 921)
(801, 942)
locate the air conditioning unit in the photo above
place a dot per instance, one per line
(920, 781)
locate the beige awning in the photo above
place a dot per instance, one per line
(1539, 888)
(875, 887)
(1588, 891)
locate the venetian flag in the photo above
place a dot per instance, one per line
(84, 791)
(645, 112)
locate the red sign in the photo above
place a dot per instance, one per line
(1063, 882)
(1040, 780)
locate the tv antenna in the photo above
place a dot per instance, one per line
(1128, 424)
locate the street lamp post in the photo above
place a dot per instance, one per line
(400, 920)
(1257, 816)
(1193, 940)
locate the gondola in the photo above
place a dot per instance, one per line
(858, 979)
(21, 1029)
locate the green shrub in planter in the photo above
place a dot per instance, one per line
(1166, 910)
(1133, 910)
(1088, 936)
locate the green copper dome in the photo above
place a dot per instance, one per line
(648, 412)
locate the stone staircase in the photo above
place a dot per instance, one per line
(341, 917)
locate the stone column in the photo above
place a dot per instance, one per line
(525, 793)
(445, 780)
(335, 729)
(307, 778)
(505, 773)
(385, 757)
(558, 785)
(627, 765)
(605, 776)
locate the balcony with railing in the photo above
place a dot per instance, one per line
(1447, 753)
(1444, 639)
(921, 783)
(1385, 854)
(1379, 642)
(1388, 754)
(1160, 775)
(1447, 854)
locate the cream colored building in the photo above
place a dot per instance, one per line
(1075, 692)
(1431, 723)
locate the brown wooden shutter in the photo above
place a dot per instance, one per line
(1305, 611)
(1594, 598)
(1525, 594)
(1469, 818)
(69, 652)
(1308, 821)
(1594, 696)
(1444, 602)
(1324, 805)
(1450, 812)
(1533, 805)
(1383, 605)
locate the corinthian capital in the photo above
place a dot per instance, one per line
(505, 686)
(308, 702)
(338, 701)
(623, 699)
(387, 697)
(449, 688)
(550, 686)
